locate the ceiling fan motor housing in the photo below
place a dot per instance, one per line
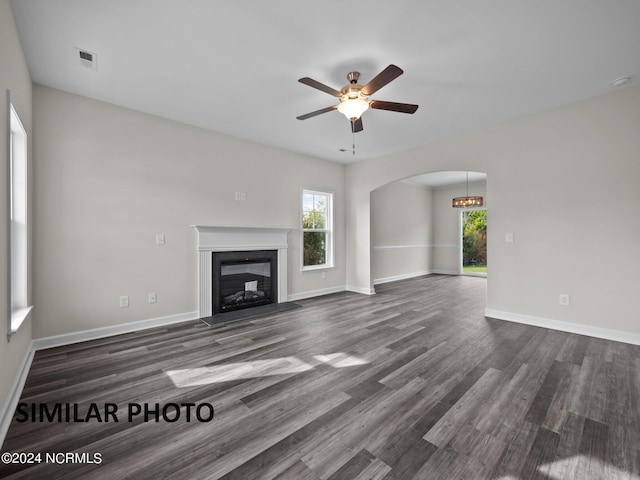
(352, 91)
(353, 77)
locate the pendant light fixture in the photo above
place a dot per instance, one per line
(467, 201)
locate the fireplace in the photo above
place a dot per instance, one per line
(213, 239)
(244, 279)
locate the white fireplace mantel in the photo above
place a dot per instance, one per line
(213, 238)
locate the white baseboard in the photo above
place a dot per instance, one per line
(404, 276)
(363, 290)
(445, 272)
(93, 334)
(598, 332)
(315, 293)
(6, 414)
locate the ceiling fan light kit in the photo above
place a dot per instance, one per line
(354, 98)
(353, 108)
(353, 103)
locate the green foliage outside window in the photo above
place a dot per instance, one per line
(315, 251)
(474, 238)
(314, 226)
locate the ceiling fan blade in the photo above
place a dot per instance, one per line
(356, 125)
(394, 106)
(387, 75)
(317, 112)
(320, 86)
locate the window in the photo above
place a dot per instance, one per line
(317, 230)
(18, 222)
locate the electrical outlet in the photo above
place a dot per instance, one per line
(564, 299)
(160, 239)
(241, 196)
(124, 301)
(324, 275)
(508, 237)
(153, 298)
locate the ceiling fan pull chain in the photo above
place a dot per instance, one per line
(353, 141)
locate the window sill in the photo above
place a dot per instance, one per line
(18, 317)
(318, 268)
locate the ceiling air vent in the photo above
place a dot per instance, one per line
(87, 59)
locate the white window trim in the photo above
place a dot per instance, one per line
(18, 310)
(330, 263)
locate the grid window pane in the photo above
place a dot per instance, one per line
(320, 203)
(307, 202)
(314, 208)
(317, 240)
(315, 251)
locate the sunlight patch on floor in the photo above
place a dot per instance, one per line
(567, 467)
(191, 377)
(596, 467)
(340, 360)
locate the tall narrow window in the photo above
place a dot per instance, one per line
(18, 222)
(317, 230)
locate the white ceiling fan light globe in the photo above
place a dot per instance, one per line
(353, 108)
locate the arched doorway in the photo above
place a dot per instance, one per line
(414, 228)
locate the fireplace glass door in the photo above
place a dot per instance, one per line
(244, 279)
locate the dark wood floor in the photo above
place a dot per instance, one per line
(410, 383)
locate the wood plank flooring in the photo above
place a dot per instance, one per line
(412, 383)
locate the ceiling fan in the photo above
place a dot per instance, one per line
(354, 98)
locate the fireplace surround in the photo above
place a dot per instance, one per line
(215, 239)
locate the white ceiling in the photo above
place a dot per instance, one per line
(233, 67)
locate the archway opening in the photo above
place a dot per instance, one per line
(415, 230)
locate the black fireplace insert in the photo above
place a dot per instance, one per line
(244, 279)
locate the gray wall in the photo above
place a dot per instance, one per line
(565, 182)
(14, 76)
(401, 231)
(108, 179)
